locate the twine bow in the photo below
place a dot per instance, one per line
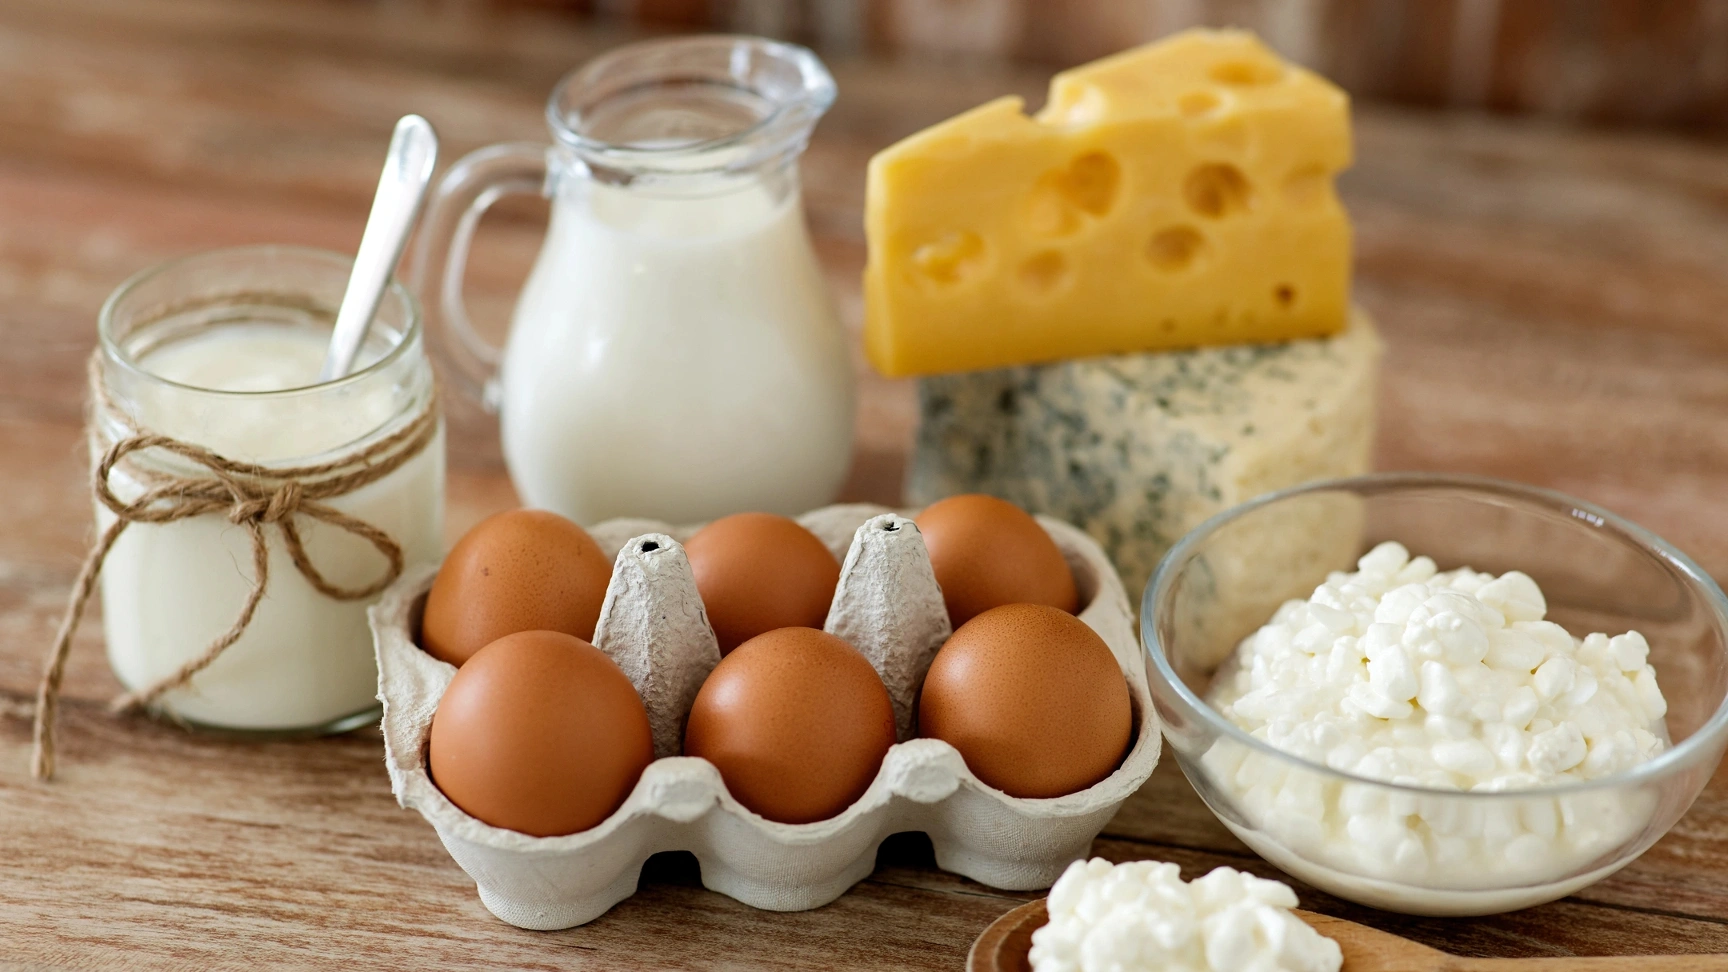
(249, 495)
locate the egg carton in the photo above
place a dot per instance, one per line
(653, 625)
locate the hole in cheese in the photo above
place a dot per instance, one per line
(1174, 248)
(1217, 189)
(950, 258)
(1093, 180)
(1197, 103)
(1305, 185)
(1246, 72)
(1285, 295)
(1061, 197)
(1044, 272)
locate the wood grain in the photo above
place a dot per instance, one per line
(1639, 62)
(1552, 300)
(1006, 946)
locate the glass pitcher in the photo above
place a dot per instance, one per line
(674, 353)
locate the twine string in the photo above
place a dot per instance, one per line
(249, 495)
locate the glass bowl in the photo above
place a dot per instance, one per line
(1413, 849)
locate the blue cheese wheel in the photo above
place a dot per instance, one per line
(1139, 449)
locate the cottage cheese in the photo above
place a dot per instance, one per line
(1447, 681)
(1142, 917)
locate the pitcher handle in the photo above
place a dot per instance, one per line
(472, 185)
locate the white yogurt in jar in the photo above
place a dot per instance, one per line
(1446, 681)
(1142, 917)
(305, 662)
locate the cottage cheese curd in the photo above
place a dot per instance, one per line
(1142, 917)
(1450, 681)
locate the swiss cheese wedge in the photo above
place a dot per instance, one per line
(1175, 195)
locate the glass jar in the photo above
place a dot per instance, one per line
(221, 350)
(674, 353)
(1411, 848)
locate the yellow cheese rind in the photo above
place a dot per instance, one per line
(1175, 195)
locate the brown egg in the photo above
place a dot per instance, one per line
(1033, 700)
(757, 572)
(796, 721)
(539, 733)
(988, 552)
(522, 570)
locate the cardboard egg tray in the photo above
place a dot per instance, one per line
(653, 625)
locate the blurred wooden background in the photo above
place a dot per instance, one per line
(1647, 62)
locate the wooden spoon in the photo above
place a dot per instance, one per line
(1004, 946)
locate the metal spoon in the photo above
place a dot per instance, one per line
(395, 208)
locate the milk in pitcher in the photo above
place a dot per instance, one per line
(692, 367)
(674, 353)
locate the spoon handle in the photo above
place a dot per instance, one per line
(1600, 963)
(401, 192)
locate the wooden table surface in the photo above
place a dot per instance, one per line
(1553, 300)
